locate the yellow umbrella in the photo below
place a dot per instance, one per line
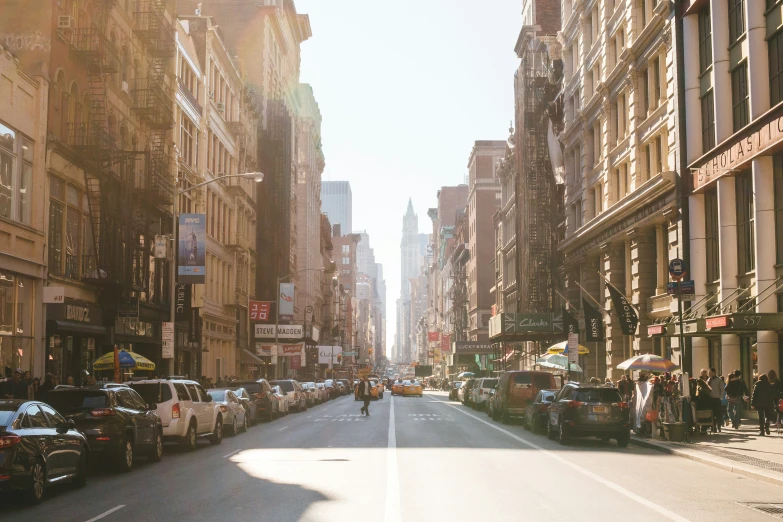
(560, 348)
(128, 361)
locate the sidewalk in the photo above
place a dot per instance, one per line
(740, 451)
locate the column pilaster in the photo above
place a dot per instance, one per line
(644, 277)
(617, 345)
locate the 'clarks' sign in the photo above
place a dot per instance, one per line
(739, 152)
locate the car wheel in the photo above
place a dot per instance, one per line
(37, 483)
(217, 435)
(270, 418)
(157, 450)
(624, 439)
(562, 436)
(244, 423)
(234, 426)
(80, 479)
(505, 417)
(189, 440)
(125, 457)
(606, 438)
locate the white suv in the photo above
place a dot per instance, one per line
(184, 408)
(480, 393)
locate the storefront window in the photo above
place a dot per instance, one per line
(15, 322)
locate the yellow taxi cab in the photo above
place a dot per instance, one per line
(412, 388)
(373, 390)
(379, 384)
(397, 388)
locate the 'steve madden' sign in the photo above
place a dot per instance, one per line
(287, 331)
(716, 322)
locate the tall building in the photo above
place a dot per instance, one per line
(483, 202)
(337, 204)
(733, 121)
(410, 250)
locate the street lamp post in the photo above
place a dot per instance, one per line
(255, 176)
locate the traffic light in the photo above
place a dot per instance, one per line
(339, 358)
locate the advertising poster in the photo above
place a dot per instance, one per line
(260, 310)
(167, 332)
(191, 249)
(329, 353)
(295, 362)
(433, 337)
(286, 311)
(445, 344)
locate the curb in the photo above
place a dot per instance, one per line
(716, 462)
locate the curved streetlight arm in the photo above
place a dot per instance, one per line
(254, 176)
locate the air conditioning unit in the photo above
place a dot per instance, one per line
(221, 107)
(125, 87)
(65, 23)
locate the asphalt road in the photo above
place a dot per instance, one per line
(413, 459)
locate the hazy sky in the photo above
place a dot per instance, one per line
(405, 88)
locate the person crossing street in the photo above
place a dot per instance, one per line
(365, 394)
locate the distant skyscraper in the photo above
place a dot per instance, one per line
(410, 250)
(337, 204)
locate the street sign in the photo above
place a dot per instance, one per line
(167, 336)
(687, 288)
(677, 268)
(573, 348)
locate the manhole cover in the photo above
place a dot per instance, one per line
(775, 510)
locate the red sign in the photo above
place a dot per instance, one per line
(433, 336)
(445, 343)
(657, 329)
(260, 310)
(717, 322)
(296, 362)
(291, 349)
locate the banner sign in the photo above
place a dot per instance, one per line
(464, 347)
(54, 294)
(295, 363)
(284, 331)
(628, 318)
(260, 310)
(265, 350)
(433, 337)
(289, 350)
(594, 323)
(167, 336)
(194, 326)
(286, 300)
(128, 310)
(570, 324)
(329, 353)
(191, 249)
(573, 348)
(182, 301)
(445, 343)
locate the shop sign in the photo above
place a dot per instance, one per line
(128, 310)
(716, 322)
(259, 310)
(54, 294)
(161, 247)
(286, 301)
(329, 353)
(194, 326)
(736, 155)
(182, 302)
(265, 350)
(167, 336)
(656, 329)
(509, 324)
(445, 343)
(471, 347)
(433, 337)
(284, 331)
(75, 311)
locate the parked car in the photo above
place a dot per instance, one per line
(118, 423)
(282, 400)
(288, 385)
(589, 410)
(516, 389)
(185, 409)
(260, 393)
(38, 447)
(537, 412)
(464, 391)
(480, 392)
(234, 417)
(310, 392)
(332, 386)
(323, 393)
(247, 402)
(345, 386)
(453, 390)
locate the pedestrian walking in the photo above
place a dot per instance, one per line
(45, 388)
(365, 395)
(762, 400)
(777, 394)
(18, 386)
(716, 394)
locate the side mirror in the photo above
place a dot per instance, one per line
(152, 406)
(209, 398)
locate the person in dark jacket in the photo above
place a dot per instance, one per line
(45, 388)
(777, 394)
(365, 394)
(762, 400)
(19, 386)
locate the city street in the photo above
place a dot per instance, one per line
(413, 459)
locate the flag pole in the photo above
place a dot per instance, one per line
(567, 302)
(621, 293)
(599, 305)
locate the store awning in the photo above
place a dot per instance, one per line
(738, 323)
(248, 357)
(71, 326)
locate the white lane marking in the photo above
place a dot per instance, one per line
(232, 453)
(392, 473)
(281, 429)
(308, 416)
(608, 483)
(106, 513)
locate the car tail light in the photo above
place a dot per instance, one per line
(103, 439)
(175, 411)
(102, 412)
(223, 409)
(7, 441)
(574, 404)
(621, 405)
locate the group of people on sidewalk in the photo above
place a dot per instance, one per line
(22, 385)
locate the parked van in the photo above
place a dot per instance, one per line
(518, 388)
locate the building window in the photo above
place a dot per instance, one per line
(658, 154)
(68, 229)
(707, 122)
(777, 173)
(712, 235)
(739, 95)
(746, 215)
(646, 92)
(188, 138)
(736, 20)
(776, 68)
(346, 249)
(16, 175)
(705, 40)
(16, 320)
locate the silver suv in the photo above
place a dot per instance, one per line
(185, 410)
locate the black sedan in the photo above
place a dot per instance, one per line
(537, 412)
(454, 390)
(117, 422)
(585, 410)
(38, 447)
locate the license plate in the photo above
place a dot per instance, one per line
(600, 409)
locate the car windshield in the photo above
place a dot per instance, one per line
(458, 384)
(276, 389)
(152, 393)
(217, 395)
(597, 395)
(284, 385)
(489, 383)
(70, 401)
